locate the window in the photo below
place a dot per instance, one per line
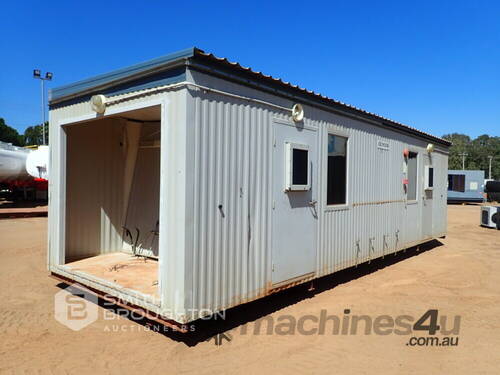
(412, 176)
(429, 177)
(337, 170)
(456, 182)
(300, 170)
(297, 167)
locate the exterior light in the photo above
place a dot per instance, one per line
(37, 74)
(297, 113)
(98, 104)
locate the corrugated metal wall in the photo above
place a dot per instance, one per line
(232, 143)
(368, 227)
(94, 195)
(232, 152)
(144, 201)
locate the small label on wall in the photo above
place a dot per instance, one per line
(383, 145)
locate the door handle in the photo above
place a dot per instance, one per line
(313, 203)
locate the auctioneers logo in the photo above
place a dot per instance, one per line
(75, 307)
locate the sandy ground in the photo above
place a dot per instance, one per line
(458, 277)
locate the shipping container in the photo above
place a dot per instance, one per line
(189, 184)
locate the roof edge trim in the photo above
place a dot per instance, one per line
(118, 76)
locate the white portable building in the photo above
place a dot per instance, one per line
(189, 184)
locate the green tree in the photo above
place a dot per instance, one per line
(460, 144)
(9, 134)
(33, 135)
(478, 151)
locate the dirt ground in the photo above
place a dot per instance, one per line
(459, 277)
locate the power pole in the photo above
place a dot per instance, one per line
(489, 169)
(463, 155)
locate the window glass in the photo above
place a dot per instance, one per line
(431, 177)
(300, 167)
(337, 169)
(412, 176)
(456, 182)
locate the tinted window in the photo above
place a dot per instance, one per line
(300, 167)
(456, 182)
(412, 176)
(337, 169)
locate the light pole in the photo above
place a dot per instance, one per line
(48, 77)
(491, 158)
(463, 155)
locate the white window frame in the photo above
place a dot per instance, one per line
(289, 186)
(347, 204)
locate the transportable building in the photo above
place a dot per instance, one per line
(189, 184)
(465, 186)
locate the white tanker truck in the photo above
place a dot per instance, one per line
(23, 170)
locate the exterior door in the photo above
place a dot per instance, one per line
(294, 225)
(427, 198)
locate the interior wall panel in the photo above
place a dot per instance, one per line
(94, 193)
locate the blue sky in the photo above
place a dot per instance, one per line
(434, 65)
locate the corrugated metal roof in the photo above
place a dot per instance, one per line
(155, 66)
(279, 81)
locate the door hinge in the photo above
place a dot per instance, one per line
(272, 267)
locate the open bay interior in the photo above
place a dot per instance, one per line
(112, 199)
